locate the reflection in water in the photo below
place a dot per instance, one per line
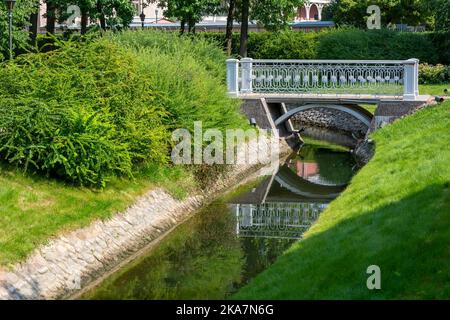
(276, 219)
(286, 204)
(227, 243)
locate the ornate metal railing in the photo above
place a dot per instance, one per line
(276, 220)
(368, 77)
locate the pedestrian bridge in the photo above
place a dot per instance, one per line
(324, 80)
(267, 86)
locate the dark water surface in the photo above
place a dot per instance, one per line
(227, 243)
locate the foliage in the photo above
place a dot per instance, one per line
(96, 109)
(274, 14)
(353, 12)
(21, 15)
(442, 9)
(188, 11)
(82, 113)
(115, 12)
(193, 90)
(342, 43)
(350, 43)
(429, 74)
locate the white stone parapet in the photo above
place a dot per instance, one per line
(354, 78)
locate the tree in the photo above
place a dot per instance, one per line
(50, 15)
(272, 14)
(110, 13)
(34, 19)
(245, 11)
(21, 21)
(353, 12)
(188, 12)
(230, 22)
(441, 13)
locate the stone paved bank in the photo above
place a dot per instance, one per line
(73, 260)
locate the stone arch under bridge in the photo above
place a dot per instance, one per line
(355, 111)
(273, 114)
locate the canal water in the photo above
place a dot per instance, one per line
(230, 241)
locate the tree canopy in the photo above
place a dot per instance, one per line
(433, 13)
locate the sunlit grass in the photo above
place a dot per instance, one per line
(35, 209)
(395, 214)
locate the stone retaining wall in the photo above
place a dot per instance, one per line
(75, 259)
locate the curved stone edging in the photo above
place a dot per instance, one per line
(73, 260)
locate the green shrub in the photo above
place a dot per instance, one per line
(90, 110)
(429, 74)
(189, 74)
(202, 51)
(82, 113)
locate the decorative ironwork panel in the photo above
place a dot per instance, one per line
(384, 78)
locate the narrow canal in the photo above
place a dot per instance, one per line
(227, 243)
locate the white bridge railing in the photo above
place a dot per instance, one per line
(396, 78)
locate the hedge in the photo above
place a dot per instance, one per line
(344, 43)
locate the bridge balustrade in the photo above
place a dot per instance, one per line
(392, 78)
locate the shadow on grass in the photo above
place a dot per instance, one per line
(409, 240)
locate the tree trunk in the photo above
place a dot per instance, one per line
(33, 29)
(191, 26)
(182, 26)
(84, 22)
(101, 15)
(51, 17)
(229, 31)
(244, 28)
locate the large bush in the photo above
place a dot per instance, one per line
(90, 110)
(190, 76)
(83, 112)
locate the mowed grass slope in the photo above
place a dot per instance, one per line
(395, 214)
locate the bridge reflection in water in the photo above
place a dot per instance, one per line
(285, 204)
(276, 219)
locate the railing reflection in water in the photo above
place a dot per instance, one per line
(276, 219)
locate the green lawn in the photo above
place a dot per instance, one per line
(431, 89)
(34, 209)
(434, 89)
(394, 214)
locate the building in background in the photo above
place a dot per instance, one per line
(312, 10)
(308, 18)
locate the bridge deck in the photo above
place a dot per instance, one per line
(328, 98)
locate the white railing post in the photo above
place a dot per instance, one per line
(233, 77)
(411, 79)
(246, 75)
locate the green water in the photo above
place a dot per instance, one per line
(224, 245)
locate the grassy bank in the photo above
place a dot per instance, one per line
(86, 129)
(395, 214)
(430, 89)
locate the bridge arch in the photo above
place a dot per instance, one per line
(356, 111)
